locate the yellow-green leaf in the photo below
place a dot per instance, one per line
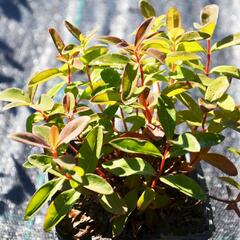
(44, 76)
(147, 9)
(146, 199)
(181, 56)
(216, 89)
(173, 19)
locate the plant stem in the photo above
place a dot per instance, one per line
(43, 114)
(91, 85)
(208, 57)
(69, 74)
(142, 97)
(73, 148)
(123, 119)
(154, 182)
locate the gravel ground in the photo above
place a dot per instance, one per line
(25, 47)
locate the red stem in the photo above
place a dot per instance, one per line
(69, 74)
(154, 182)
(147, 111)
(208, 57)
(73, 148)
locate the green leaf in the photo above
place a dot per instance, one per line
(40, 161)
(220, 162)
(226, 102)
(136, 121)
(106, 96)
(207, 140)
(58, 209)
(42, 132)
(229, 41)
(173, 19)
(143, 30)
(111, 77)
(113, 60)
(185, 185)
(233, 150)
(114, 204)
(72, 129)
(118, 223)
(15, 95)
(230, 181)
(194, 36)
(187, 142)
(208, 19)
(45, 103)
(181, 56)
(175, 89)
(146, 199)
(94, 183)
(44, 76)
(167, 115)
(90, 150)
(57, 40)
(216, 89)
(146, 9)
(229, 71)
(190, 47)
(184, 74)
(134, 145)
(129, 81)
(55, 89)
(130, 166)
(159, 43)
(93, 53)
(41, 196)
(73, 30)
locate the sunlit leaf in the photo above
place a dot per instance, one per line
(226, 102)
(229, 41)
(14, 95)
(113, 40)
(145, 199)
(54, 136)
(73, 30)
(190, 47)
(112, 60)
(167, 115)
(216, 89)
(44, 76)
(146, 9)
(173, 19)
(185, 185)
(59, 207)
(94, 183)
(229, 71)
(130, 166)
(57, 40)
(129, 81)
(73, 129)
(90, 150)
(45, 103)
(30, 139)
(114, 204)
(181, 56)
(41, 196)
(143, 30)
(187, 142)
(134, 145)
(93, 53)
(106, 96)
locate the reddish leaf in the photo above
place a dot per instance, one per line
(113, 40)
(142, 30)
(73, 30)
(57, 40)
(30, 139)
(53, 136)
(73, 129)
(220, 162)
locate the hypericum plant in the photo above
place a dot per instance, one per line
(109, 133)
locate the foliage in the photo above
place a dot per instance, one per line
(122, 119)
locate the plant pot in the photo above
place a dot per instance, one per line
(183, 223)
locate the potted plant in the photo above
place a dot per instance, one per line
(109, 130)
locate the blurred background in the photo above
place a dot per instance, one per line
(26, 47)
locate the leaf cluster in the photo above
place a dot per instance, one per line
(112, 131)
